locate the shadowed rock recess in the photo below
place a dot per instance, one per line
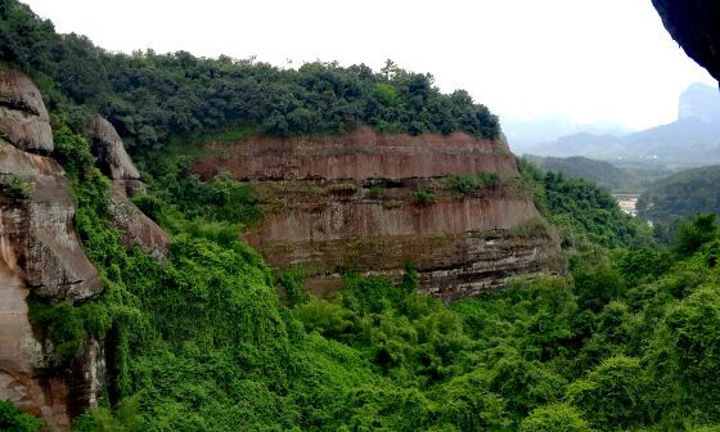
(39, 254)
(372, 203)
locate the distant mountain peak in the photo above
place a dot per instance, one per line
(700, 101)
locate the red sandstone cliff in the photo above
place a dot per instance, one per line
(344, 203)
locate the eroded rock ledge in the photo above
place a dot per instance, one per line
(137, 229)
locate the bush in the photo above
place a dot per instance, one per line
(13, 420)
(470, 183)
(611, 396)
(555, 418)
(695, 233)
(423, 197)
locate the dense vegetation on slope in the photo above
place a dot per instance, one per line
(682, 195)
(152, 97)
(626, 341)
(582, 211)
(603, 174)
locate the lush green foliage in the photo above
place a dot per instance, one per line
(12, 420)
(682, 195)
(151, 97)
(423, 197)
(583, 211)
(628, 340)
(604, 174)
(203, 342)
(468, 184)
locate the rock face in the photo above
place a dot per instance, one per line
(371, 203)
(137, 229)
(112, 159)
(24, 121)
(362, 154)
(37, 228)
(40, 255)
(695, 25)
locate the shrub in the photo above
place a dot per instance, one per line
(555, 418)
(611, 396)
(466, 184)
(13, 420)
(423, 197)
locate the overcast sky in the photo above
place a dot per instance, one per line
(590, 60)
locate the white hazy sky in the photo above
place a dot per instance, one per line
(589, 60)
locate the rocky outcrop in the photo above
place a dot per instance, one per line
(111, 157)
(137, 229)
(24, 121)
(40, 255)
(362, 154)
(371, 203)
(695, 25)
(36, 218)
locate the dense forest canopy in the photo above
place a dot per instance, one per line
(152, 97)
(682, 195)
(627, 340)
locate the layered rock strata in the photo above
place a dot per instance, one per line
(372, 203)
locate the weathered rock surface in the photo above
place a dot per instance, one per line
(349, 203)
(40, 255)
(111, 158)
(695, 25)
(24, 121)
(137, 229)
(108, 149)
(37, 212)
(362, 154)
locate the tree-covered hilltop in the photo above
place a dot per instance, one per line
(682, 195)
(602, 173)
(152, 97)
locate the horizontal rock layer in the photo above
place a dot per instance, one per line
(362, 154)
(351, 203)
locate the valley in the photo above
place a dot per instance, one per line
(212, 244)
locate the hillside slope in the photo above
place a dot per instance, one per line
(682, 195)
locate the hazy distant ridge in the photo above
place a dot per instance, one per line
(693, 139)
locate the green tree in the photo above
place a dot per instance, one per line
(700, 230)
(555, 418)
